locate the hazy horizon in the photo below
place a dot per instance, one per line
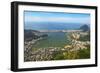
(54, 20)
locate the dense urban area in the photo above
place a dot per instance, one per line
(77, 48)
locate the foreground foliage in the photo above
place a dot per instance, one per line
(77, 48)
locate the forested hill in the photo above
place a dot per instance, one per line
(32, 34)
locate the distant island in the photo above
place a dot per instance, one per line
(35, 34)
(85, 28)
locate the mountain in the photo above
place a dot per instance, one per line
(29, 35)
(84, 28)
(33, 34)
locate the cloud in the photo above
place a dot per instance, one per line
(57, 19)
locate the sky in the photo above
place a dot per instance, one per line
(59, 17)
(37, 20)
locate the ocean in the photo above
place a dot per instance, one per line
(54, 39)
(52, 26)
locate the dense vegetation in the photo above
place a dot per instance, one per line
(74, 39)
(78, 47)
(84, 50)
(32, 34)
(81, 54)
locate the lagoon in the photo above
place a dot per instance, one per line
(54, 39)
